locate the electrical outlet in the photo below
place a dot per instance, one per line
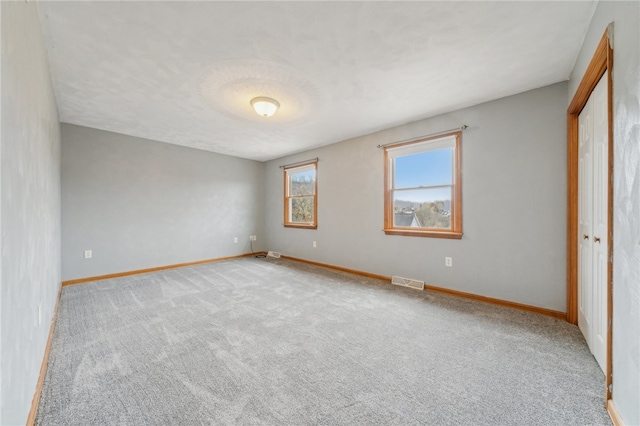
(235, 239)
(253, 238)
(315, 245)
(88, 254)
(448, 261)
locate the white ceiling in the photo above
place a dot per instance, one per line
(184, 72)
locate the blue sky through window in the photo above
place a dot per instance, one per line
(308, 175)
(429, 168)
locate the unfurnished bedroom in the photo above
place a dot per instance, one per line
(320, 213)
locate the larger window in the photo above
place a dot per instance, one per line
(423, 188)
(301, 196)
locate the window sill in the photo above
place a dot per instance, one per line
(430, 234)
(301, 226)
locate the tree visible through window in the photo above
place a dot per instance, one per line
(423, 192)
(300, 199)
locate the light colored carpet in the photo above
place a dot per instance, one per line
(272, 341)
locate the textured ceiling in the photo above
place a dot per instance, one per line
(184, 72)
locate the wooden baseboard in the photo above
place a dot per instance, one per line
(157, 268)
(613, 413)
(476, 297)
(499, 302)
(339, 268)
(31, 419)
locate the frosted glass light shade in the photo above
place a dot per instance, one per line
(265, 107)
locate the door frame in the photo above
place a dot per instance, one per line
(601, 61)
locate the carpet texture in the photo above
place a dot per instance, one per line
(272, 341)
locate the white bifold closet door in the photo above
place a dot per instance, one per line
(593, 150)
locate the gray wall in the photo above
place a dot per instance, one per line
(138, 203)
(514, 204)
(30, 208)
(626, 193)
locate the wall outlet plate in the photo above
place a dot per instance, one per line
(448, 261)
(88, 254)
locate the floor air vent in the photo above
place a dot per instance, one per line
(407, 282)
(273, 254)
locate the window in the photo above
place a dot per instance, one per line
(300, 196)
(423, 188)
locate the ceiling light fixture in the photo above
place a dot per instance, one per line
(265, 107)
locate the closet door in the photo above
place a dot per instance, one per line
(585, 222)
(600, 221)
(593, 219)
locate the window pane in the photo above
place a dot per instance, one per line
(422, 208)
(302, 183)
(301, 209)
(429, 168)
